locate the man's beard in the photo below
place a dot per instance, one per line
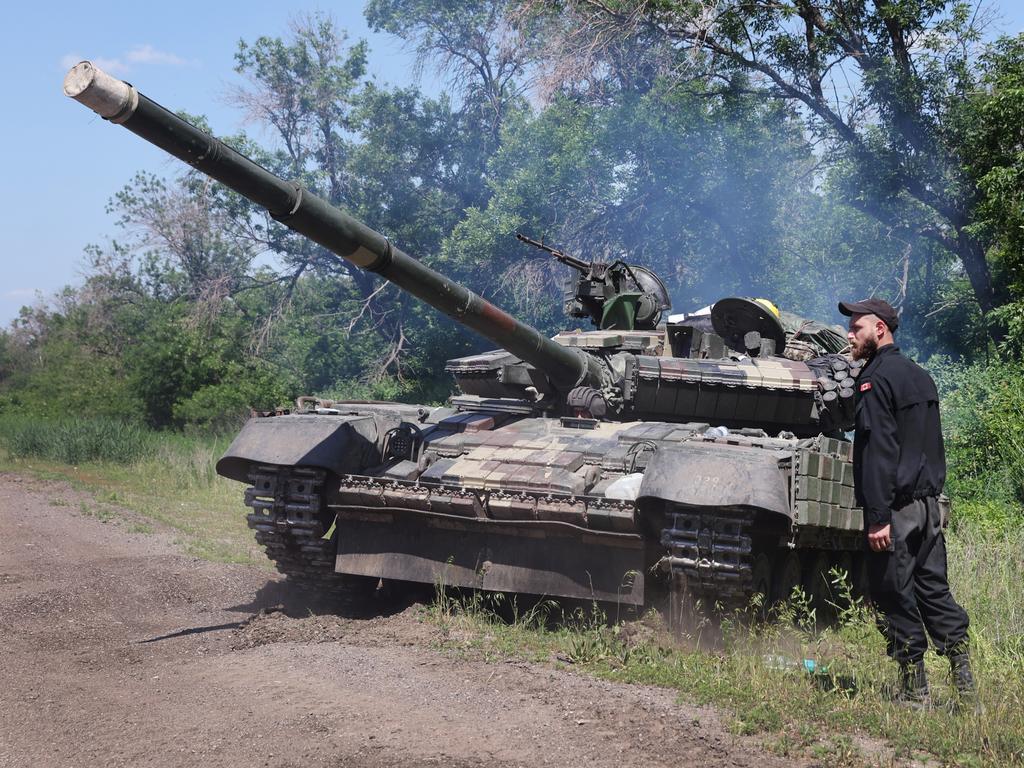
(865, 350)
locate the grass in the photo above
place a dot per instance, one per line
(168, 480)
(104, 515)
(755, 672)
(77, 440)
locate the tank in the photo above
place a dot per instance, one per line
(698, 456)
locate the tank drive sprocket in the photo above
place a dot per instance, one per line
(289, 520)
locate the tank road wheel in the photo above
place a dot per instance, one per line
(786, 577)
(817, 586)
(761, 584)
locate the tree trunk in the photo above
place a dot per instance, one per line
(972, 256)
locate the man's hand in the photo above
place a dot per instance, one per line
(880, 537)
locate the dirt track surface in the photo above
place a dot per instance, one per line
(118, 650)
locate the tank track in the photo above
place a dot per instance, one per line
(712, 557)
(712, 552)
(287, 516)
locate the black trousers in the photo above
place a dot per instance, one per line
(910, 588)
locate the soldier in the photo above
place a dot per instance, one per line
(899, 468)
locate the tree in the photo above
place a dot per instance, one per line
(988, 127)
(876, 81)
(192, 248)
(473, 42)
(405, 165)
(304, 89)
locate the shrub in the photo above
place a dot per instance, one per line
(223, 408)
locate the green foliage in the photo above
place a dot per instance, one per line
(224, 407)
(888, 90)
(471, 41)
(69, 378)
(983, 420)
(189, 244)
(688, 184)
(988, 126)
(187, 374)
(384, 389)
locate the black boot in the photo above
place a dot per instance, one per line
(913, 690)
(963, 681)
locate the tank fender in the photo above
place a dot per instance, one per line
(339, 444)
(706, 475)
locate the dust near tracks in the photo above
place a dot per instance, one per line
(118, 650)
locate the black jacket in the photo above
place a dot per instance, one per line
(897, 451)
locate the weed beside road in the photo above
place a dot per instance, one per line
(805, 690)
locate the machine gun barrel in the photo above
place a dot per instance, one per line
(314, 217)
(565, 258)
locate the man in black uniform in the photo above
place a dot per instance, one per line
(899, 467)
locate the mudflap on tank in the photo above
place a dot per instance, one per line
(712, 476)
(529, 557)
(338, 444)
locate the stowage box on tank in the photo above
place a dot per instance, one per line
(703, 454)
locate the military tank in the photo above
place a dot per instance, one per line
(699, 456)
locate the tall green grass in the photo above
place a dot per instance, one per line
(983, 421)
(75, 440)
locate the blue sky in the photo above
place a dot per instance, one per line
(62, 164)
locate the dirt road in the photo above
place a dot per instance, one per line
(118, 650)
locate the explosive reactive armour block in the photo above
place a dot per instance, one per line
(847, 478)
(808, 462)
(825, 467)
(807, 488)
(847, 496)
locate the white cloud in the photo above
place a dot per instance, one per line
(147, 54)
(120, 65)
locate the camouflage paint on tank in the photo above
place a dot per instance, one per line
(526, 482)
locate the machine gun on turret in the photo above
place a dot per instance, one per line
(615, 296)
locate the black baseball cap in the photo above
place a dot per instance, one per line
(878, 307)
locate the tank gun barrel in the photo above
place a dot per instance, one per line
(315, 218)
(571, 261)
